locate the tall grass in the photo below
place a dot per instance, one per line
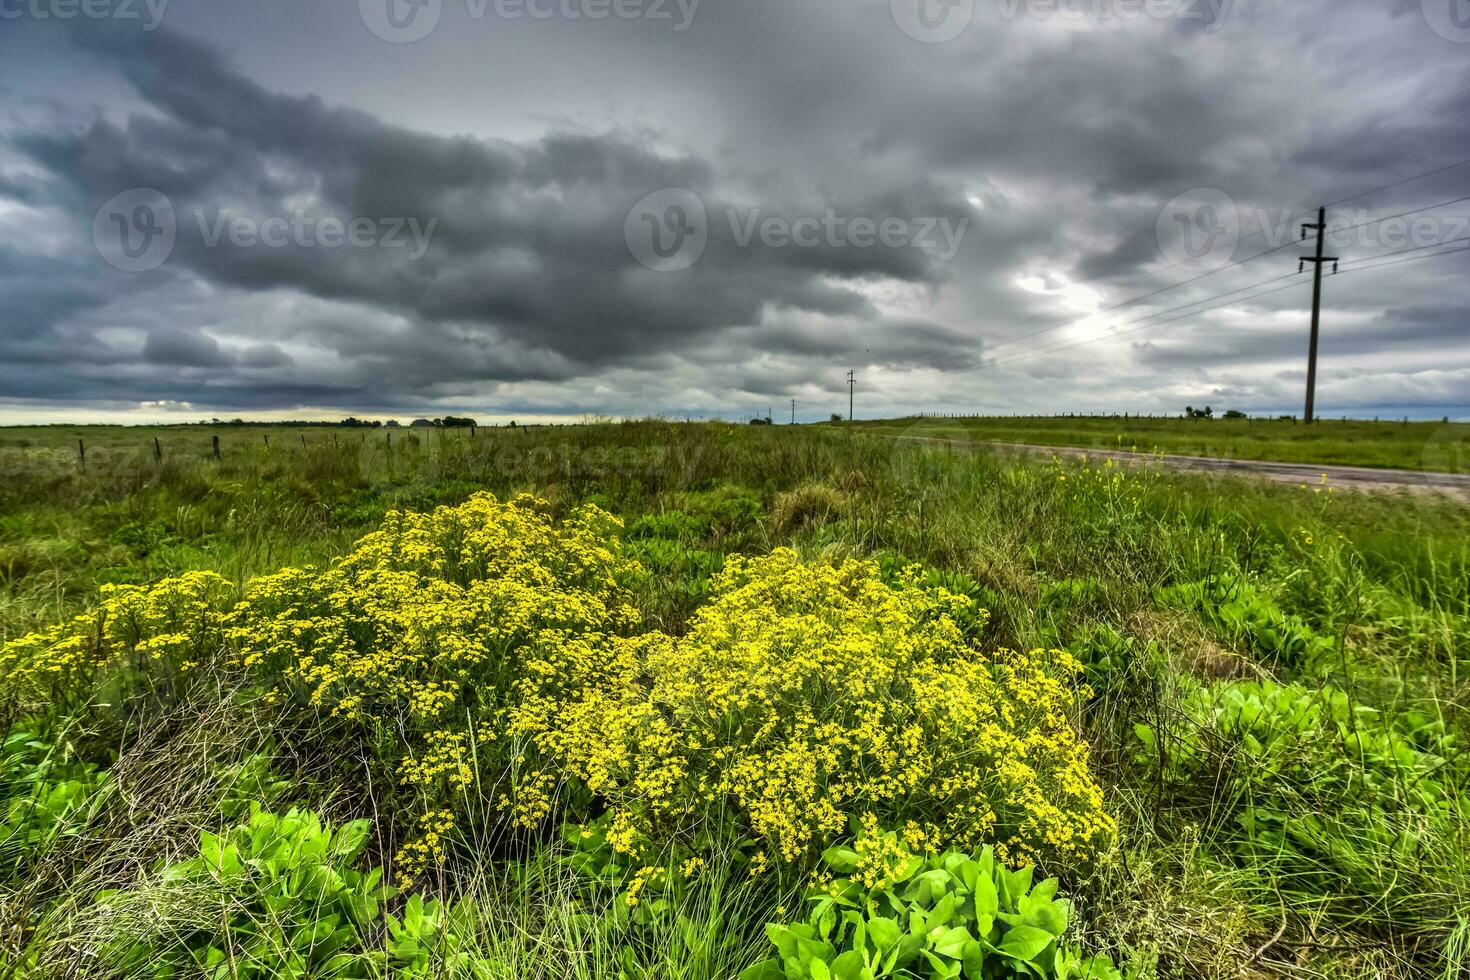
(1061, 553)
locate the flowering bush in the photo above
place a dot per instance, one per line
(419, 631)
(804, 694)
(164, 630)
(488, 638)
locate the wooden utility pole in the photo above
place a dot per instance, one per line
(851, 383)
(1317, 261)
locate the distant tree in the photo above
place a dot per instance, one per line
(394, 424)
(1233, 414)
(760, 421)
(421, 424)
(452, 422)
(512, 424)
(1190, 412)
(836, 417)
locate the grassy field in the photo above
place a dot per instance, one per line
(719, 700)
(1435, 446)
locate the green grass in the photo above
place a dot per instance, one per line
(1430, 446)
(1163, 585)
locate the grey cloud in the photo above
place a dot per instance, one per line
(1060, 146)
(184, 348)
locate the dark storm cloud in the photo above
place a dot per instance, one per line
(1056, 143)
(527, 240)
(184, 348)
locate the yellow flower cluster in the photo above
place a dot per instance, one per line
(419, 629)
(489, 638)
(800, 695)
(175, 624)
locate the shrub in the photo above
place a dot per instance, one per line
(807, 506)
(417, 633)
(936, 916)
(157, 634)
(802, 695)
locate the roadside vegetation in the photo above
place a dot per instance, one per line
(1440, 447)
(654, 700)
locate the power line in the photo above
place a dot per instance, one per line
(1399, 183)
(1234, 244)
(1400, 262)
(1024, 355)
(1145, 326)
(1405, 251)
(1241, 262)
(1401, 214)
(1139, 299)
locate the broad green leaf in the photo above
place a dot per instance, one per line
(850, 966)
(843, 860)
(764, 970)
(884, 933)
(1025, 942)
(951, 942)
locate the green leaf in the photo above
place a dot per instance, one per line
(850, 966)
(348, 842)
(1025, 942)
(951, 942)
(973, 960)
(943, 969)
(987, 903)
(764, 970)
(942, 912)
(884, 932)
(843, 860)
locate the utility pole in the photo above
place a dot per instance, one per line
(851, 383)
(1317, 261)
(793, 411)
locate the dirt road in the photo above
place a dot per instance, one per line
(1342, 477)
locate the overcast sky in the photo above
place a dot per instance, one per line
(531, 208)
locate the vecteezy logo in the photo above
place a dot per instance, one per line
(1199, 229)
(400, 21)
(1447, 451)
(667, 230)
(932, 21)
(1450, 19)
(136, 230)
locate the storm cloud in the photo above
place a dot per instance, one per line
(336, 223)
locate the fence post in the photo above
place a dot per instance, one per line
(157, 449)
(216, 446)
(266, 436)
(82, 452)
